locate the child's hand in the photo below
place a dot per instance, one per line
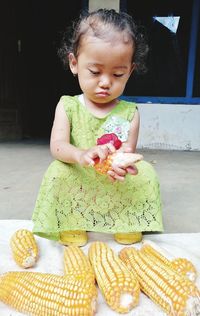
(119, 172)
(87, 157)
(115, 166)
(130, 169)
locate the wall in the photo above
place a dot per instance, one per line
(109, 4)
(169, 126)
(164, 126)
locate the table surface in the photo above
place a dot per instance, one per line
(51, 254)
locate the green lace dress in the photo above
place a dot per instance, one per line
(72, 197)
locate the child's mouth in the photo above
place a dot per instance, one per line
(103, 94)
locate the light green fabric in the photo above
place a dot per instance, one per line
(72, 197)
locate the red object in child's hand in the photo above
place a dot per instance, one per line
(109, 138)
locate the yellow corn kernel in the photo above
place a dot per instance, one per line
(122, 159)
(77, 264)
(38, 294)
(118, 286)
(173, 292)
(182, 265)
(185, 267)
(24, 248)
(104, 166)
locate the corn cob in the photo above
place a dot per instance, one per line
(77, 264)
(182, 265)
(118, 286)
(24, 248)
(121, 159)
(42, 294)
(173, 292)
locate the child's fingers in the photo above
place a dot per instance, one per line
(104, 150)
(111, 178)
(120, 171)
(132, 170)
(101, 152)
(97, 152)
(89, 158)
(89, 161)
(111, 148)
(115, 176)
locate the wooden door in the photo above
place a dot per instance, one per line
(10, 79)
(32, 79)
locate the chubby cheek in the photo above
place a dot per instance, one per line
(87, 84)
(83, 85)
(119, 86)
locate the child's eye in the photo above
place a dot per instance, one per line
(118, 75)
(94, 72)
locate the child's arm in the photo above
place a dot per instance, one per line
(61, 148)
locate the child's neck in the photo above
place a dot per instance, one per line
(99, 110)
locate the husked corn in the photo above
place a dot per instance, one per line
(120, 158)
(182, 265)
(173, 292)
(24, 248)
(42, 294)
(118, 285)
(77, 264)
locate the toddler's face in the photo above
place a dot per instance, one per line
(103, 67)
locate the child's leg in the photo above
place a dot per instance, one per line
(128, 238)
(73, 237)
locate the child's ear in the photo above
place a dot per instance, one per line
(73, 63)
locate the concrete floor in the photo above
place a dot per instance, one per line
(24, 163)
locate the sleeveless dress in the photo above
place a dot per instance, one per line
(72, 197)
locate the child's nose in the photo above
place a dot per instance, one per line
(105, 82)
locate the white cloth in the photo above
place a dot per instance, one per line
(51, 260)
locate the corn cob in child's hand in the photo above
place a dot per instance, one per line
(39, 294)
(119, 159)
(173, 292)
(24, 248)
(123, 160)
(118, 285)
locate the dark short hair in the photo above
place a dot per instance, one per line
(96, 22)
